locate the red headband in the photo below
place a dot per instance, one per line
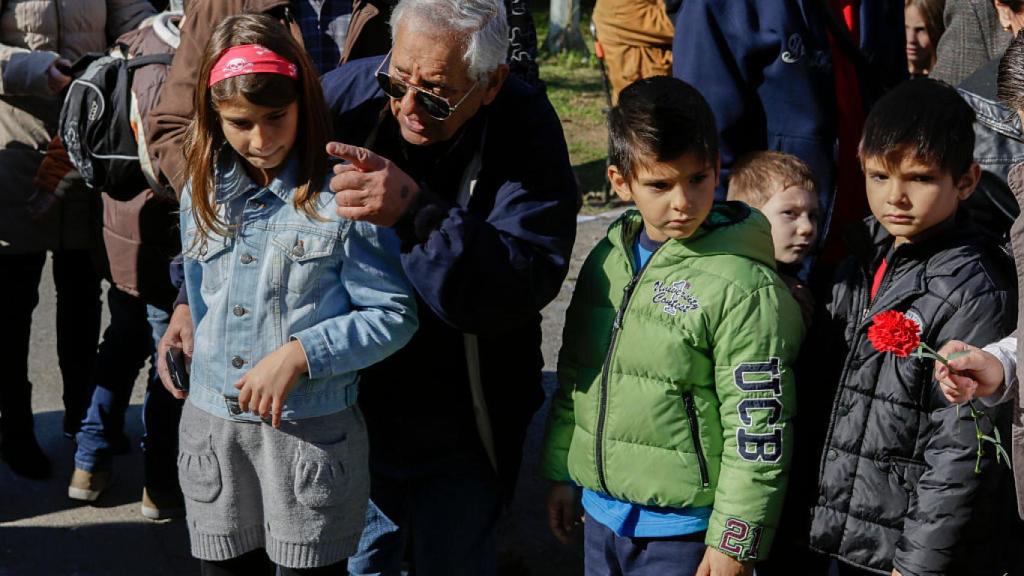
(251, 59)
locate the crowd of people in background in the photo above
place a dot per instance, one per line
(337, 223)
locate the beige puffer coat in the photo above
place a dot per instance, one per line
(33, 33)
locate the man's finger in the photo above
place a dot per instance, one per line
(342, 168)
(355, 213)
(266, 401)
(351, 180)
(361, 158)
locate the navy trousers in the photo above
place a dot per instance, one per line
(605, 553)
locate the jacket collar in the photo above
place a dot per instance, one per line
(1015, 179)
(231, 180)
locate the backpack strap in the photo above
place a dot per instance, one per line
(146, 60)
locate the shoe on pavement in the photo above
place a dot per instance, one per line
(87, 486)
(162, 503)
(23, 454)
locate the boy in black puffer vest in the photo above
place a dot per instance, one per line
(897, 491)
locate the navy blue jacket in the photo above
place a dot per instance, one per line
(765, 67)
(486, 270)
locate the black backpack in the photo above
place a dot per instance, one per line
(96, 128)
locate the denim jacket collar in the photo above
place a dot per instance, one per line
(232, 180)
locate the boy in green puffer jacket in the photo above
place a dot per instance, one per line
(675, 384)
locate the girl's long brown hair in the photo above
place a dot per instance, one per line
(204, 137)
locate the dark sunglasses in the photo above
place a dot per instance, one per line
(435, 106)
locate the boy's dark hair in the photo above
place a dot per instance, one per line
(925, 118)
(756, 177)
(660, 118)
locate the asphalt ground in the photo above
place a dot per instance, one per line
(42, 532)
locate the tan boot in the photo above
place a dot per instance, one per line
(87, 486)
(162, 503)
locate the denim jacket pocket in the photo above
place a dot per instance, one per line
(212, 255)
(198, 467)
(299, 259)
(321, 473)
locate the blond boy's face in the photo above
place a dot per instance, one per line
(673, 197)
(793, 214)
(913, 196)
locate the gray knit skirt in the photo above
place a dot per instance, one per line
(299, 491)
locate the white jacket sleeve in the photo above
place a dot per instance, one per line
(1006, 351)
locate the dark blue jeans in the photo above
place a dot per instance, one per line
(605, 553)
(451, 516)
(127, 342)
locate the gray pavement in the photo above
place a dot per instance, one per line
(42, 532)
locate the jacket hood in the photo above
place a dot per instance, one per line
(730, 228)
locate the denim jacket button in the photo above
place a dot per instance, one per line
(247, 258)
(237, 362)
(298, 249)
(238, 310)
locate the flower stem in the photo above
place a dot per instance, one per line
(925, 351)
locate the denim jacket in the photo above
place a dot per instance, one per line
(335, 285)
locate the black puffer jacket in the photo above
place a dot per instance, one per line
(897, 486)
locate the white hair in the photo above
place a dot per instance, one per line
(480, 24)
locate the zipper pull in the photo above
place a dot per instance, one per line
(864, 314)
(627, 292)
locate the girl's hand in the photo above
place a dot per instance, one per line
(265, 387)
(178, 334)
(975, 374)
(717, 563)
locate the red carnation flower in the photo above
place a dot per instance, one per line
(892, 331)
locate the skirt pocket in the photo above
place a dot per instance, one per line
(321, 473)
(198, 468)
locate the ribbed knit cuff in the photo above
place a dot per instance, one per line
(311, 555)
(219, 547)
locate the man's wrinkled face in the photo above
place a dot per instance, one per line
(434, 63)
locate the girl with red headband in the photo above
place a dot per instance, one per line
(288, 301)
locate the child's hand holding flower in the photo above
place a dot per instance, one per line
(893, 331)
(970, 375)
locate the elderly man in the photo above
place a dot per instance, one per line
(470, 167)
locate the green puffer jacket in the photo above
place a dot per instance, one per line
(675, 384)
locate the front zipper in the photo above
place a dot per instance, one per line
(627, 294)
(691, 416)
(859, 333)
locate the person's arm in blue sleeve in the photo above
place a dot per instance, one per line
(710, 51)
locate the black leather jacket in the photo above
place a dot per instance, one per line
(998, 146)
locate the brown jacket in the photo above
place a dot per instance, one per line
(1016, 181)
(33, 33)
(637, 40)
(368, 34)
